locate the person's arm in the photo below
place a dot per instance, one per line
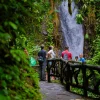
(62, 55)
(38, 54)
(71, 56)
(26, 52)
(49, 54)
(83, 60)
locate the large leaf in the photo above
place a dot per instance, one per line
(13, 25)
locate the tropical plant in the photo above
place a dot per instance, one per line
(17, 79)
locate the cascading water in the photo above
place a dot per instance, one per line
(72, 32)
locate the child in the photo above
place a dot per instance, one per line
(76, 58)
(81, 58)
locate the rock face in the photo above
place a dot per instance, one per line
(90, 30)
(87, 49)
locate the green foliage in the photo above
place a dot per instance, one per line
(50, 27)
(32, 44)
(86, 36)
(96, 43)
(84, 8)
(76, 90)
(96, 54)
(21, 42)
(79, 18)
(87, 8)
(20, 26)
(18, 19)
(50, 38)
(98, 25)
(50, 33)
(91, 83)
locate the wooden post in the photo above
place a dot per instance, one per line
(84, 79)
(48, 71)
(61, 71)
(68, 77)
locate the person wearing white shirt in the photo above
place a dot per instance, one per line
(50, 53)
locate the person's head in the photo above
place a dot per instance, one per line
(50, 47)
(81, 55)
(76, 58)
(42, 46)
(23, 48)
(66, 48)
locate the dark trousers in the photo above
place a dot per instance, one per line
(42, 73)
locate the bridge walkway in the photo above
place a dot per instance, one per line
(56, 91)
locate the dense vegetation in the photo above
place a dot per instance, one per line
(89, 15)
(19, 21)
(23, 23)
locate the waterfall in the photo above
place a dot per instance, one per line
(72, 32)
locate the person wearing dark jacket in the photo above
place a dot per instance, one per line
(42, 63)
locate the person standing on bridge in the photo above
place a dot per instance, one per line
(51, 53)
(82, 59)
(42, 63)
(76, 71)
(76, 58)
(66, 55)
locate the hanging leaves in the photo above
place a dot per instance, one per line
(86, 36)
(79, 18)
(13, 25)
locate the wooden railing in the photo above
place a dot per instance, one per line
(70, 73)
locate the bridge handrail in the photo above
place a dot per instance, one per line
(65, 69)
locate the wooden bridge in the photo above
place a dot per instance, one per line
(75, 75)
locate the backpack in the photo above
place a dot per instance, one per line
(40, 59)
(65, 57)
